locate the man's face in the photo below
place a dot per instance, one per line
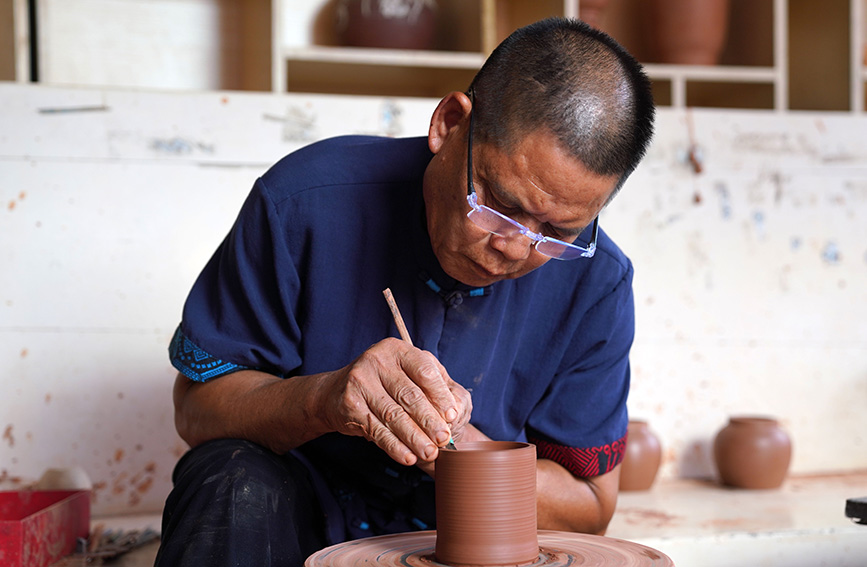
(536, 184)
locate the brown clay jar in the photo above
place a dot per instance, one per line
(394, 24)
(641, 459)
(486, 504)
(689, 32)
(752, 452)
(592, 12)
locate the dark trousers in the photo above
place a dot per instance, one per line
(236, 503)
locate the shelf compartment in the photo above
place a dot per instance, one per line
(376, 71)
(316, 76)
(818, 56)
(678, 85)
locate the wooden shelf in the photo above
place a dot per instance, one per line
(467, 30)
(392, 57)
(689, 85)
(770, 60)
(372, 71)
(779, 54)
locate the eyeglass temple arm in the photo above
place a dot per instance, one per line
(470, 188)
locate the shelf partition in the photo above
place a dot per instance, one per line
(858, 51)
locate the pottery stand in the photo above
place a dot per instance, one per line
(556, 549)
(486, 516)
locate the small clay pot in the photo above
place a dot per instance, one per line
(486, 504)
(752, 452)
(641, 459)
(394, 24)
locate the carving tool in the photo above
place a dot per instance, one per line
(404, 334)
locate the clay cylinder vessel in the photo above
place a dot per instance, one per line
(486, 504)
(752, 452)
(642, 457)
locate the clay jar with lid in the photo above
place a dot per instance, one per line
(486, 504)
(642, 457)
(752, 452)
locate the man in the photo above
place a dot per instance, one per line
(309, 422)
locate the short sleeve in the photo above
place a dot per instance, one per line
(581, 421)
(240, 311)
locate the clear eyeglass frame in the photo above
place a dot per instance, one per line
(497, 223)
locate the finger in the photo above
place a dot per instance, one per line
(402, 426)
(414, 379)
(374, 430)
(433, 379)
(464, 404)
(366, 409)
(410, 398)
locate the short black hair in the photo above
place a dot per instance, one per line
(577, 82)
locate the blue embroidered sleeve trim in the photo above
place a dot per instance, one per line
(195, 363)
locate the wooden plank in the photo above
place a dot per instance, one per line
(14, 41)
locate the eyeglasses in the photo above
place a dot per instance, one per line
(501, 225)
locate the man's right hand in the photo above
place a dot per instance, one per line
(399, 397)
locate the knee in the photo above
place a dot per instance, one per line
(240, 469)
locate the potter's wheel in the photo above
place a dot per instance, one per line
(416, 549)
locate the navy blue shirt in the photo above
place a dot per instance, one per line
(296, 289)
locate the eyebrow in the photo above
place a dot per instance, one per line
(512, 202)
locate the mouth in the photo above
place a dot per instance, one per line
(486, 274)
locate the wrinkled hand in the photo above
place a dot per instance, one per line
(399, 397)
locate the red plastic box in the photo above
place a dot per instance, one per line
(39, 527)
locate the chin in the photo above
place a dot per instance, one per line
(475, 274)
(469, 272)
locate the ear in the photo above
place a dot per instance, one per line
(452, 110)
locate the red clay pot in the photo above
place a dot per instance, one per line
(395, 24)
(752, 452)
(689, 32)
(641, 459)
(593, 12)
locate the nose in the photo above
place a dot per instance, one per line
(514, 247)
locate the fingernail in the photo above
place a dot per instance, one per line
(451, 414)
(443, 437)
(429, 452)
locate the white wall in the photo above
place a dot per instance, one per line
(172, 44)
(751, 282)
(750, 276)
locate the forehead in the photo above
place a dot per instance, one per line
(544, 180)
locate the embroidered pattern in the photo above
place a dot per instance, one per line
(195, 363)
(582, 462)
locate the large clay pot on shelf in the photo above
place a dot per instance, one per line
(592, 12)
(642, 457)
(752, 452)
(688, 32)
(486, 504)
(394, 24)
